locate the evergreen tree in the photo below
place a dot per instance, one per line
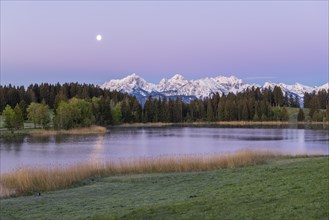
(256, 118)
(23, 107)
(314, 106)
(284, 114)
(221, 109)
(178, 110)
(297, 102)
(291, 101)
(276, 113)
(245, 114)
(136, 110)
(286, 100)
(316, 116)
(210, 112)
(300, 116)
(116, 113)
(278, 96)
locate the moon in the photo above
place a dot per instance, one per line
(99, 37)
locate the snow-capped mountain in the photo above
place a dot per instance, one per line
(297, 88)
(178, 86)
(130, 84)
(323, 87)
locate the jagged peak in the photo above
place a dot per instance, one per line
(269, 84)
(230, 79)
(177, 77)
(162, 81)
(200, 88)
(133, 76)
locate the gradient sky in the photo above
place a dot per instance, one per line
(278, 41)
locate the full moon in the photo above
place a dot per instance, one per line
(99, 37)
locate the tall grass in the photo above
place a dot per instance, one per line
(29, 180)
(87, 130)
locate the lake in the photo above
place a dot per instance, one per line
(130, 143)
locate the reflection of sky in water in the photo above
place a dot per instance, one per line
(97, 150)
(148, 142)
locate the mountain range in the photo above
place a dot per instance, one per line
(178, 86)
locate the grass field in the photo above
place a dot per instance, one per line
(295, 188)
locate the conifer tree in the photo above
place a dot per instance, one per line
(210, 112)
(301, 115)
(314, 106)
(278, 96)
(256, 118)
(284, 114)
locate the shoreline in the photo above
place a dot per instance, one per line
(230, 123)
(94, 129)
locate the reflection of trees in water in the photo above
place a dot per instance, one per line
(38, 139)
(12, 143)
(73, 138)
(61, 138)
(314, 126)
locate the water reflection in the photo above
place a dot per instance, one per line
(38, 139)
(148, 142)
(9, 144)
(97, 150)
(301, 141)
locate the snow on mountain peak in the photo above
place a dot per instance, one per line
(177, 77)
(269, 85)
(325, 87)
(129, 84)
(200, 88)
(296, 88)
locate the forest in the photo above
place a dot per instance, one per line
(73, 105)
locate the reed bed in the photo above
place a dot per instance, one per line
(29, 180)
(87, 130)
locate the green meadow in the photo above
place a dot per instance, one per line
(282, 188)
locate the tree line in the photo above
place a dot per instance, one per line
(316, 101)
(252, 104)
(79, 105)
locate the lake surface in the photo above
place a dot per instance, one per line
(129, 143)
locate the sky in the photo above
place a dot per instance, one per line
(257, 41)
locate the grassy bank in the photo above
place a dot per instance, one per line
(29, 180)
(294, 188)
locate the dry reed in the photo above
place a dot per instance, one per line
(87, 130)
(29, 180)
